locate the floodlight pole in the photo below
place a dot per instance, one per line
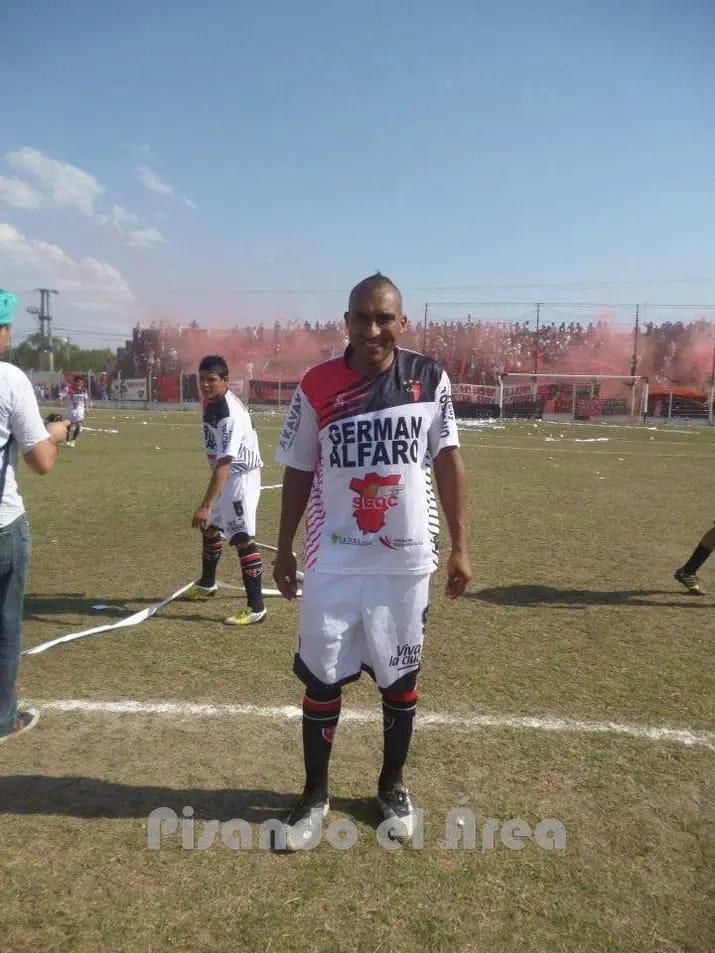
(636, 330)
(536, 343)
(424, 330)
(711, 408)
(45, 318)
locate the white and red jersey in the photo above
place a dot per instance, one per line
(77, 401)
(370, 442)
(228, 432)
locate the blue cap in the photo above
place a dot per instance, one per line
(7, 307)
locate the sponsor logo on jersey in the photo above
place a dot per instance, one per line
(392, 543)
(209, 437)
(292, 423)
(337, 540)
(408, 655)
(375, 495)
(446, 410)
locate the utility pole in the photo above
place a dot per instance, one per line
(424, 330)
(45, 320)
(536, 342)
(636, 331)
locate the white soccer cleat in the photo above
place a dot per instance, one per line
(397, 808)
(303, 828)
(247, 617)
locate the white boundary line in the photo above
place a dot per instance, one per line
(470, 722)
(583, 451)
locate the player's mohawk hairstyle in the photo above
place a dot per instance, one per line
(377, 279)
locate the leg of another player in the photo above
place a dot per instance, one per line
(252, 573)
(212, 546)
(687, 573)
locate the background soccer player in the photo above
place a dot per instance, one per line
(362, 436)
(78, 400)
(228, 509)
(687, 573)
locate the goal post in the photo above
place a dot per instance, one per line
(574, 396)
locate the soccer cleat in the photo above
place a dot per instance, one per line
(70, 443)
(691, 582)
(396, 806)
(303, 827)
(247, 617)
(24, 722)
(199, 592)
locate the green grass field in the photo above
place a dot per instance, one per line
(572, 614)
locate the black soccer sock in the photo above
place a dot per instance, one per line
(74, 432)
(700, 554)
(320, 719)
(398, 714)
(210, 555)
(252, 572)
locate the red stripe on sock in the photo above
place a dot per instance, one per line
(401, 696)
(310, 704)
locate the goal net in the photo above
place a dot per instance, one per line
(574, 396)
(562, 396)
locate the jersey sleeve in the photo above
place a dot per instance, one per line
(26, 424)
(230, 435)
(443, 430)
(299, 446)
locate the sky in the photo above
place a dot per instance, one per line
(233, 162)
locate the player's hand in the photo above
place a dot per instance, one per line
(284, 573)
(201, 517)
(459, 573)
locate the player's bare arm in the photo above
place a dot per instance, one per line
(451, 484)
(296, 490)
(219, 475)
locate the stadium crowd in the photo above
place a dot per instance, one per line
(472, 351)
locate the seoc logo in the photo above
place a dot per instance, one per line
(375, 495)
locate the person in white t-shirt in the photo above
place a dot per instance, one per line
(362, 437)
(21, 431)
(228, 509)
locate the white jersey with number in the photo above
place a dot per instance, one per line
(370, 442)
(78, 400)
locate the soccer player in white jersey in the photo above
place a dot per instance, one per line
(78, 401)
(362, 437)
(228, 509)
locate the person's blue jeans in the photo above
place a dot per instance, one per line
(14, 560)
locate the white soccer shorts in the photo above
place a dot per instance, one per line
(76, 416)
(371, 622)
(235, 510)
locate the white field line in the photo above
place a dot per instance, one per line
(584, 451)
(469, 722)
